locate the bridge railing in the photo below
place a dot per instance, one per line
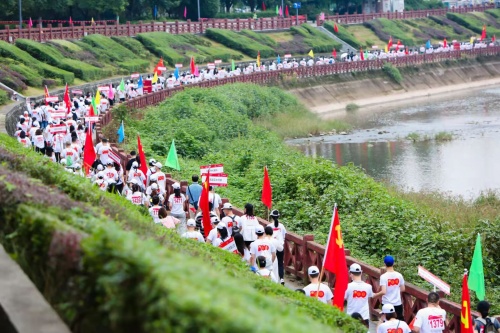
(407, 14)
(42, 33)
(302, 251)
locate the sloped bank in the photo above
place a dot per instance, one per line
(328, 97)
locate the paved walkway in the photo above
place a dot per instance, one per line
(345, 47)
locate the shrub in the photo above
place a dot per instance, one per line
(443, 136)
(12, 79)
(240, 42)
(351, 107)
(4, 97)
(260, 37)
(494, 12)
(100, 277)
(267, 13)
(343, 34)
(133, 45)
(32, 77)
(384, 29)
(472, 22)
(315, 39)
(393, 72)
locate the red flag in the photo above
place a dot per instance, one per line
(335, 28)
(493, 39)
(466, 324)
(286, 11)
(334, 53)
(263, 6)
(483, 34)
(91, 111)
(445, 43)
(192, 65)
(159, 64)
(406, 51)
(70, 20)
(88, 152)
(205, 209)
(411, 324)
(142, 158)
(334, 260)
(389, 44)
(361, 54)
(267, 191)
(398, 44)
(30, 23)
(67, 99)
(185, 11)
(46, 93)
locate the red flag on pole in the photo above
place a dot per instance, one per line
(286, 11)
(335, 28)
(334, 53)
(483, 34)
(30, 23)
(361, 54)
(192, 66)
(466, 324)
(70, 21)
(334, 260)
(389, 44)
(46, 93)
(267, 191)
(204, 207)
(88, 152)
(263, 6)
(91, 111)
(142, 158)
(185, 11)
(445, 43)
(493, 39)
(67, 100)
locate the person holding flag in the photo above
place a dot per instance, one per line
(316, 289)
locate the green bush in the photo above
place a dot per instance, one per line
(343, 34)
(240, 42)
(102, 278)
(384, 29)
(473, 23)
(494, 12)
(13, 52)
(32, 76)
(49, 54)
(315, 39)
(4, 97)
(267, 13)
(133, 45)
(393, 72)
(260, 37)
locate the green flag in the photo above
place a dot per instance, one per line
(172, 160)
(121, 87)
(277, 10)
(233, 67)
(476, 272)
(96, 109)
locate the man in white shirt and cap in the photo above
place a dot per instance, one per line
(316, 289)
(357, 294)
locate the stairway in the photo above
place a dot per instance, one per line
(345, 46)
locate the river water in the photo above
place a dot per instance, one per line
(464, 166)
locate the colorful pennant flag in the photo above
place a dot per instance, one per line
(192, 65)
(121, 87)
(258, 58)
(204, 207)
(88, 152)
(466, 324)
(172, 159)
(142, 158)
(336, 28)
(267, 191)
(121, 133)
(311, 54)
(476, 271)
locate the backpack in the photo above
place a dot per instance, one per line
(235, 227)
(487, 325)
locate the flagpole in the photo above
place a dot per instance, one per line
(327, 242)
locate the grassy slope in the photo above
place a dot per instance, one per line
(148, 280)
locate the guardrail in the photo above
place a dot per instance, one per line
(407, 14)
(42, 34)
(302, 251)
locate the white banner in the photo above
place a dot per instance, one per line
(77, 92)
(217, 179)
(112, 155)
(92, 119)
(134, 76)
(434, 280)
(178, 65)
(218, 61)
(214, 168)
(57, 129)
(103, 88)
(52, 99)
(161, 68)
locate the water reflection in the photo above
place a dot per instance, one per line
(464, 166)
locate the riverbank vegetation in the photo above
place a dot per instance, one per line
(104, 266)
(215, 126)
(443, 136)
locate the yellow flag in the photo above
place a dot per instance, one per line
(97, 98)
(155, 78)
(311, 54)
(472, 40)
(258, 59)
(386, 49)
(92, 21)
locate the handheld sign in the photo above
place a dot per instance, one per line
(103, 88)
(52, 99)
(211, 65)
(77, 92)
(113, 156)
(92, 119)
(57, 129)
(218, 61)
(161, 68)
(58, 115)
(214, 168)
(178, 65)
(434, 280)
(134, 76)
(216, 179)
(288, 55)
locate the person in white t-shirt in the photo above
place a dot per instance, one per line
(176, 206)
(232, 221)
(248, 224)
(103, 152)
(431, 319)
(216, 200)
(191, 233)
(357, 294)
(392, 285)
(316, 289)
(110, 173)
(155, 208)
(279, 233)
(262, 247)
(263, 271)
(392, 324)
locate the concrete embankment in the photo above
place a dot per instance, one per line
(375, 89)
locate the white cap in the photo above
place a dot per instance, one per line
(388, 308)
(355, 268)
(133, 181)
(158, 165)
(63, 161)
(100, 167)
(227, 205)
(191, 223)
(152, 160)
(153, 177)
(176, 186)
(100, 174)
(214, 219)
(313, 270)
(135, 164)
(221, 225)
(76, 166)
(154, 186)
(259, 230)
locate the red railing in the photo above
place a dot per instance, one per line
(302, 251)
(409, 14)
(41, 34)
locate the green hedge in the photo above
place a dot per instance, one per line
(240, 42)
(114, 280)
(13, 52)
(267, 13)
(473, 23)
(133, 45)
(49, 54)
(32, 76)
(4, 97)
(494, 12)
(343, 34)
(260, 37)
(317, 40)
(161, 45)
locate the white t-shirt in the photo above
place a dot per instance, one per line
(228, 221)
(357, 295)
(110, 175)
(153, 211)
(212, 235)
(279, 232)
(263, 247)
(265, 273)
(394, 326)
(248, 223)
(103, 153)
(195, 235)
(430, 320)
(325, 293)
(177, 204)
(392, 281)
(137, 198)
